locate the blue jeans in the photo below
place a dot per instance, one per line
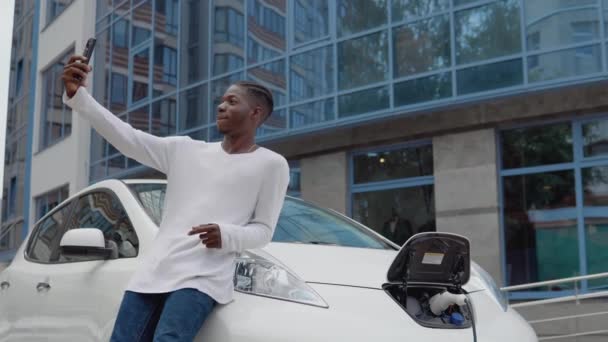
(173, 316)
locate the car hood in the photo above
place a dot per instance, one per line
(351, 266)
(347, 266)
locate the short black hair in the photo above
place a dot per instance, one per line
(260, 93)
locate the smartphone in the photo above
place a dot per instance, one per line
(88, 52)
(88, 49)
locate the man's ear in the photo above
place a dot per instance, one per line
(258, 114)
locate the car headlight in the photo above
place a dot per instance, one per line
(258, 276)
(500, 296)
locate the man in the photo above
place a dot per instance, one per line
(396, 228)
(221, 199)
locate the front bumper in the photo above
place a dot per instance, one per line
(355, 315)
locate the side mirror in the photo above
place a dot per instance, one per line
(86, 242)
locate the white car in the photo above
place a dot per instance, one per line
(324, 278)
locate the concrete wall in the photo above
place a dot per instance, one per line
(466, 193)
(325, 180)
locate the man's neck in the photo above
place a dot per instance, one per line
(240, 144)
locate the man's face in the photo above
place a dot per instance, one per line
(237, 112)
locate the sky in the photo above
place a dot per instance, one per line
(6, 33)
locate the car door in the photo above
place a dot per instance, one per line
(24, 291)
(85, 290)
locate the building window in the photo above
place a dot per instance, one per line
(49, 200)
(12, 197)
(119, 89)
(311, 20)
(19, 78)
(120, 34)
(4, 204)
(56, 116)
(166, 58)
(54, 8)
(392, 191)
(294, 188)
(229, 26)
(555, 203)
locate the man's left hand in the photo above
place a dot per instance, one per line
(209, 234)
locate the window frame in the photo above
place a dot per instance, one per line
(44, 141)
(576, 165)
(392, 184)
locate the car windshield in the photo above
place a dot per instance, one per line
(299, 222)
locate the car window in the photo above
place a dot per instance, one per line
(300, 222)
(103, 210)
(44, 242)
(152, 198)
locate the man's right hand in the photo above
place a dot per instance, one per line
(75, 69)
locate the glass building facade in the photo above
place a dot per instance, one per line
(17, 122)
(161, 65)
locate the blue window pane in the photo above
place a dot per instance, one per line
(540, 219)
(595, 139)
(489, 77)
(311, 20)
(294, 188)
(194, 42)
(193, 108)
(98, 171)
(166, 16)
(116, 165)
(387, 165)
(312, 74)
(119, 91)
(552, 23)
(19, 78)
(396, 213)
(120, 34)
(407, 9)
(228, 36)
(226, 62)
(139, 35)
(165, 68)
(312, 113)
(488, 31)
(595, 185)
(579, 61)
(164, 116)
(140, 66)
(56, 117)
(272, 76)
(12, 196)
(55, 8)
(423, 89)
(422, 46)
(537, 145)
(363, 60)
(360, 15)
(266, 30)
(276, 122)
(363, 102)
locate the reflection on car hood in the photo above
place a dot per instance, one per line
(338, 265)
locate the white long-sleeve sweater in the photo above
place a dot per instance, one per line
(242, 193)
